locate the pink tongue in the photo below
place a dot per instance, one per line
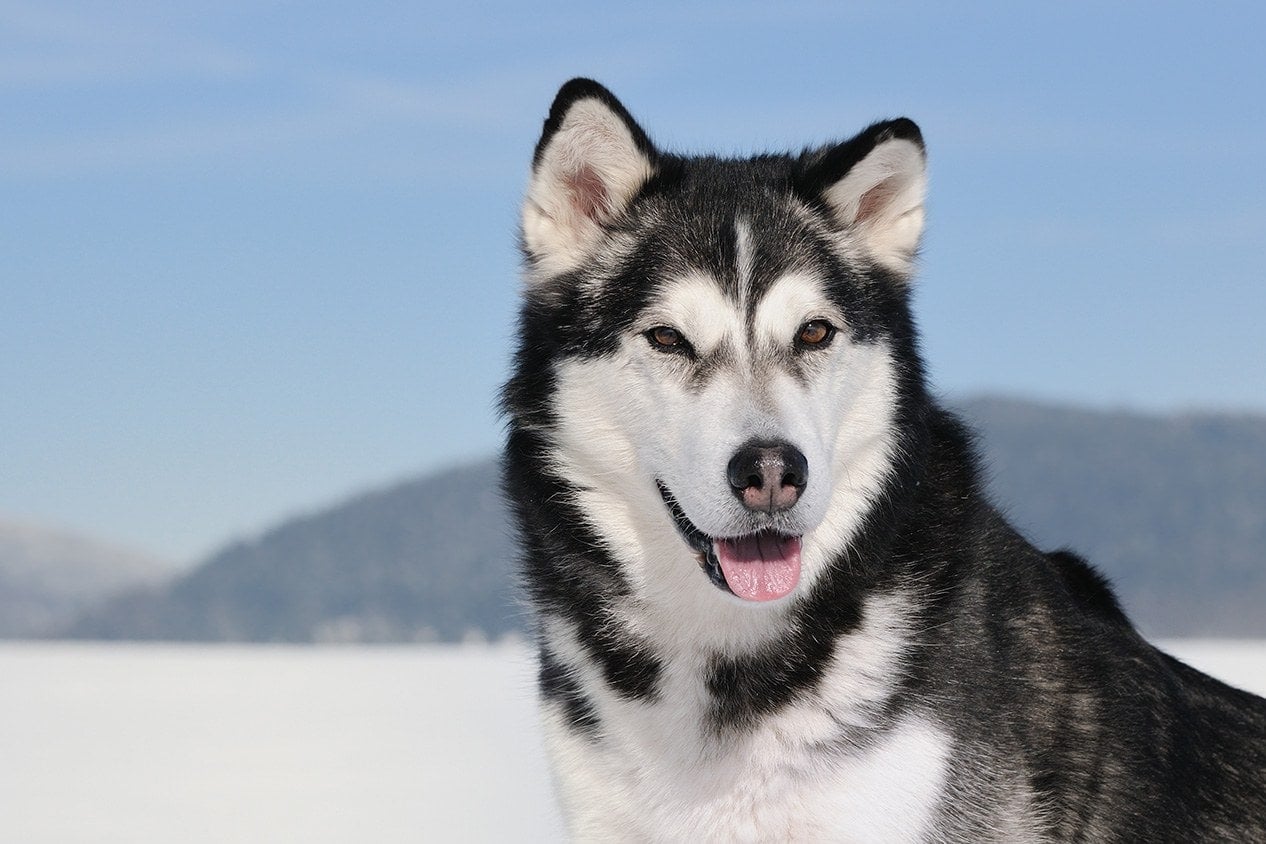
(761, 567)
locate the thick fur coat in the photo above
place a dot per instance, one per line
(773, 601)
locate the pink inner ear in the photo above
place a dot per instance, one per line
(873, 201)
(589, 195)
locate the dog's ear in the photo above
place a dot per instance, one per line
(590, 163)
(873, 187)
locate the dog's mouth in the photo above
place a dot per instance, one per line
(761, 566)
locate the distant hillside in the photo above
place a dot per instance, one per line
(49, 577)
(425, 560)
(1172, 508)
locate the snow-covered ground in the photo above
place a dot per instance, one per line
(158, 743)
(134, 743)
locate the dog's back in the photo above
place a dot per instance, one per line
(1114, 739)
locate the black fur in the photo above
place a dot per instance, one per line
(557, 684)
(1026, 657)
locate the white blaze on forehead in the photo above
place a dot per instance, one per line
(789, 303)
(696, 306)
(743, 260)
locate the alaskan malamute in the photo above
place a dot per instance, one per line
(774, 603)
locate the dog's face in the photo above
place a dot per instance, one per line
(724, 383)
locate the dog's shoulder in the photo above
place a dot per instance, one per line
(1089, 588)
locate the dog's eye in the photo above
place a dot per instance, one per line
(815, 333)
(666, 339)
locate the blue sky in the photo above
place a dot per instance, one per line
(259, 256)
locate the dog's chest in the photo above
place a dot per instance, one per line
(656, 773)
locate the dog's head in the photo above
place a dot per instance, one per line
(721, 339)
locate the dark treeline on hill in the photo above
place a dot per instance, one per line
(1171, 508)
(430, 559)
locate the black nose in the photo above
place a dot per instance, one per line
(768, 475)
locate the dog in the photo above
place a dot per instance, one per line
(773, 600)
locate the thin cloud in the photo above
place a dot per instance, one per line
(45, 47)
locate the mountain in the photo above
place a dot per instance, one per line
(49, 577)
(429, 559)
(1172, 508)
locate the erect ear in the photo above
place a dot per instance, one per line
(873, 186)
(591, 161)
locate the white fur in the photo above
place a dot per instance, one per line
(658, 774)
(881, 200)
(699, 310)
(563, 214)
(743, 257)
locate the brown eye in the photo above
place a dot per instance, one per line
(815, 332)
(665, 337)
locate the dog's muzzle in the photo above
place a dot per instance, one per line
(760, 566)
